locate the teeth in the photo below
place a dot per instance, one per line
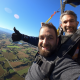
(69, 28)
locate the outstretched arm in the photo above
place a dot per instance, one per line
(30, 39)
(17, 36)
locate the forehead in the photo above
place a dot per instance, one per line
(68, 17)
(47, 31)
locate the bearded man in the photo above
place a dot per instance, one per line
(47, 46)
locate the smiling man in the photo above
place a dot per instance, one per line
(69, 22)
(47, 46)
(47, 40)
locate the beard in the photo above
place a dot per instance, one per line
(70, 33)
(47, 53)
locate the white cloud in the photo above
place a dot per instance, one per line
(16, 16)
(8, 10)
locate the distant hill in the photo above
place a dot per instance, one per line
(6, 30)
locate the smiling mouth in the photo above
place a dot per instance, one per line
(45, 48)
(69, 29)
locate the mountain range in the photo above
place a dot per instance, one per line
(6, 30)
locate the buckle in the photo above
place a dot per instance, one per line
(38, 60)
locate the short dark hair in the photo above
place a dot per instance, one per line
(51, 26)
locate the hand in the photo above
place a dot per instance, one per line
(16, 36)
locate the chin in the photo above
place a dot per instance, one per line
(69, 33)
(44, 53)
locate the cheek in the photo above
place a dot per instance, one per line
(40, 42)
(74, 24)
(53, 42)
(63, 26)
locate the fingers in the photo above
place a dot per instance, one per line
(15, 37)
(16, 31)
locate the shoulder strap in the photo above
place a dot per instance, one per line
(45, 65)
(69, 44)
(78, 59)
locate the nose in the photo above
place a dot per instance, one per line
(68, 24)
(45, 41)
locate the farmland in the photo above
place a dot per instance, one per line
(15, 59)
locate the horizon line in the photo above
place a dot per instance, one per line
(7, 28)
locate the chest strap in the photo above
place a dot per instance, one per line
(69, 44)
(45, 65)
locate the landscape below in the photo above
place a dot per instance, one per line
(15, 58)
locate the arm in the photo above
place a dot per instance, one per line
(17, 36)
(66, 69)
(30, 39)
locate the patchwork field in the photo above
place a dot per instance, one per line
(15, 59)
(1, 71)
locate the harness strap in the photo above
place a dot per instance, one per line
(45, 65)
(69, 44)
(78, 58)
(38, 60)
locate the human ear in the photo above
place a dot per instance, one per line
(60, 25)
(77, 23)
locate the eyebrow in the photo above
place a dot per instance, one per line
(70, 19)
(46, 35)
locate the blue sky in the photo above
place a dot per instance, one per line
(27, 15)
